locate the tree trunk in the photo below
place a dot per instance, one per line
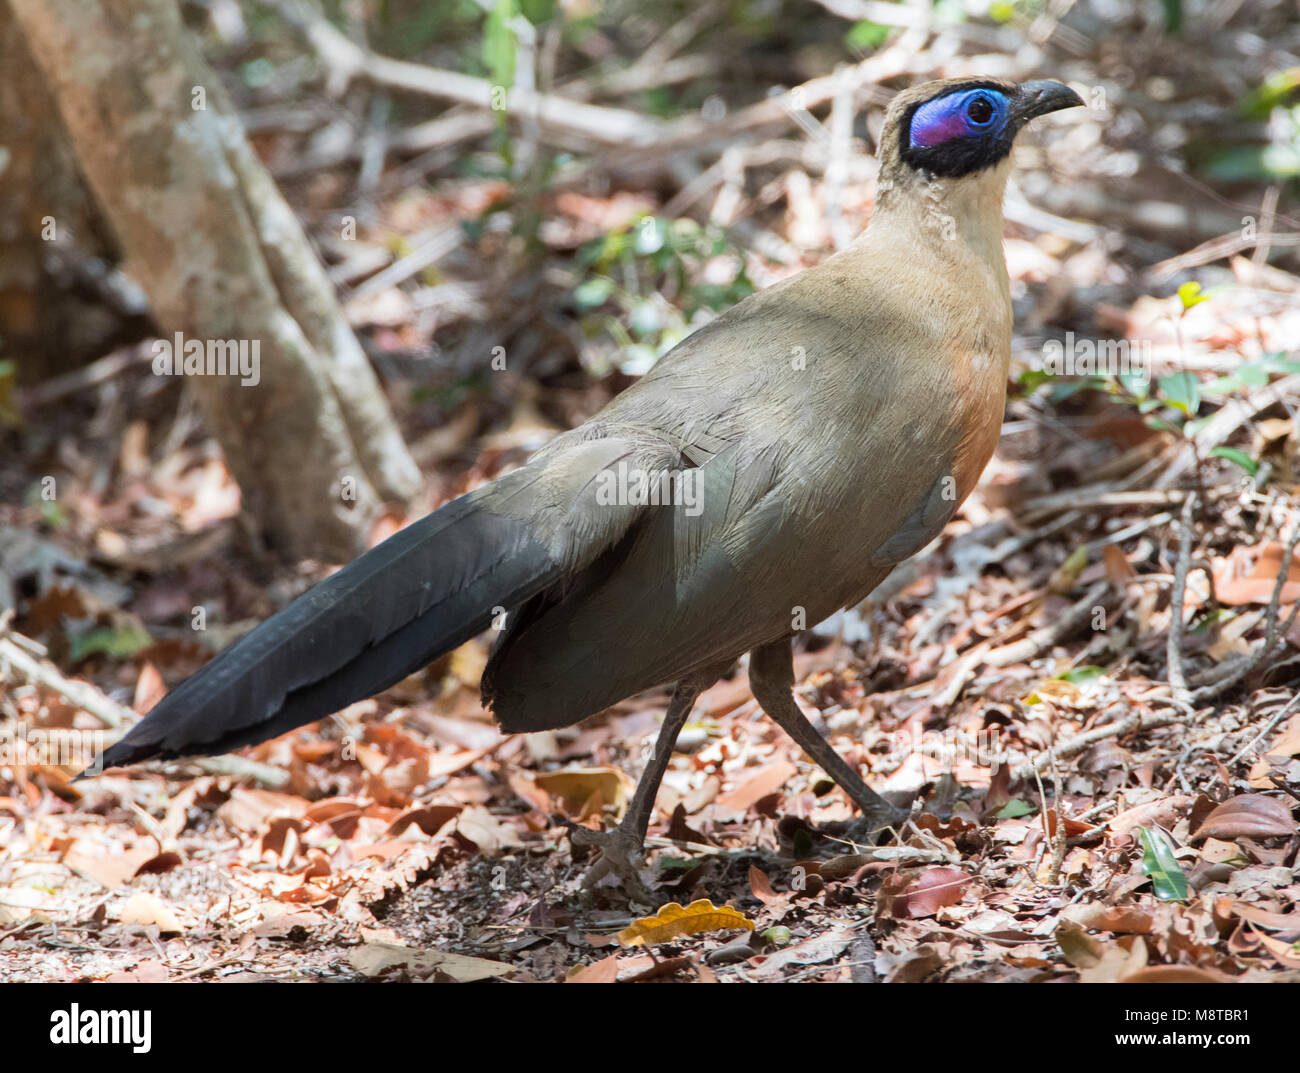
(222, 257)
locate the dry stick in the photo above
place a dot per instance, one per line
(1218, 248)
(84, 696)
(347, 61)
(1030, 647)
(1058, 841)
(1174, 647)
(1272, 635)
(1044, 638)
(1098, 497)
(605, 126)
(16, 651)
(1077, 744)
(1276, 718)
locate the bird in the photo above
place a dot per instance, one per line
(768, 471)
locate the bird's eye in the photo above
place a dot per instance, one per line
(980, 111)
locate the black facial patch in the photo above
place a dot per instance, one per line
(961, 155)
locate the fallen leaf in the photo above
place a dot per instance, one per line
(604, 971)
(1248, 816)
(584, 792)
(757, 785)
(374, 959)
(922, 894)
(1174, 974)
(146, 908)
(672, 921)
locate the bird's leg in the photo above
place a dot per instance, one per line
(771, 677)
(622, 848)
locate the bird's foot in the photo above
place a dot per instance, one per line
(622, 853)
(875, 819)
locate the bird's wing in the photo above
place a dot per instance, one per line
(816, 477)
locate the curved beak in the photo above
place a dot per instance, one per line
(1038, 98)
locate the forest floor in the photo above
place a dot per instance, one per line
(1100, 788)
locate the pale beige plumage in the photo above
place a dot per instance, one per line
(835, 420)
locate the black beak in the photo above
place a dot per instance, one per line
(1038, 98)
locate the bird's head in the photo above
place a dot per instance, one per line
(961, 129)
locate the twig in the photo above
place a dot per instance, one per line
(1080, 742)
(1058, 842)
(83, 695)
(15, 652)
(348, 61)
(1218, 248)
(92, 375)
(1082, 499)
(1272, 632)
(1176, 675)
(1277, 717)
(1044, 638)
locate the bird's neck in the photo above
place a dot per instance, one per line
(955, 220)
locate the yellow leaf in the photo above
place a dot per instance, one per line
(585, 791)
(672, 920)
(1190, 295)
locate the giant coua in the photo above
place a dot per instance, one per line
(787, 456)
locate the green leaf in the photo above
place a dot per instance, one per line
(1182, 391)
(1137, 384)
(866, 35)
(1190, 295)
(499, 44)
(778, 936)
(593, 292)
(1158, 862)
(116, 642)
(1222, 385)
(1014, 809)
(651, 234)
(1080, 675)
(1240, 458)
(1254, 374)
(645, 318)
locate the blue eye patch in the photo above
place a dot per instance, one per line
(970, 113)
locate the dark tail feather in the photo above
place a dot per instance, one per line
(419, 594)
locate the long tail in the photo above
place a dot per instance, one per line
(419, 594)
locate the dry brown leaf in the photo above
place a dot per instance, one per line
(374, 959)
(149, 688)
(248, 808)
(1248, 816)
(430, 819)
(146, 908)
(762, 888)
(910, 895)
(1175, 974)
(1248, 575)
(109, 871)
(604, 971)
(487, 832)
(1164, 812)
(1117, 918)
(755, 786)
